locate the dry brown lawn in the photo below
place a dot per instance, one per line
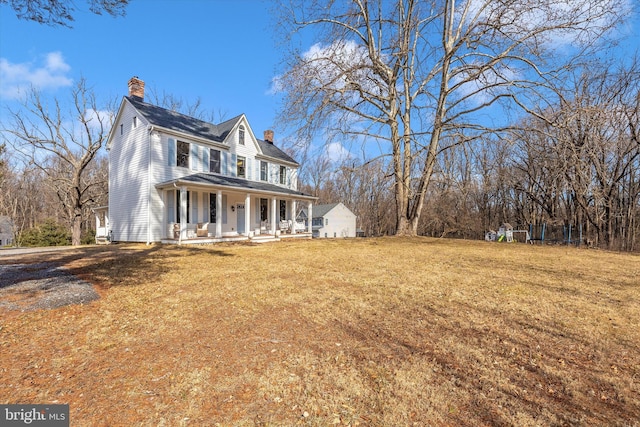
(369, 332)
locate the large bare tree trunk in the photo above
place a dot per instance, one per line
(379, 75)
(63, 145)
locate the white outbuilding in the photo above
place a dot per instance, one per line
(333, 221)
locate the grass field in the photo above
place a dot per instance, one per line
(369, 332)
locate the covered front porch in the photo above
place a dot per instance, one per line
(207, 208)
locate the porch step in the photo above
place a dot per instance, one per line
(264, 238)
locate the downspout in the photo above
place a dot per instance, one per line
(150, 129)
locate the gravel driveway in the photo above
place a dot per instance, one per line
(43, 285)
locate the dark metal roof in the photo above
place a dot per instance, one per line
(240, 183)
(173, 120)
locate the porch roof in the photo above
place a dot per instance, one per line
(237, 184)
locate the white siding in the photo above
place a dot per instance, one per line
(138, 211)
(248, 150)
(294, 179)
(128, 178)
(341, 223)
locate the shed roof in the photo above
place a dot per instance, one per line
(322, 210)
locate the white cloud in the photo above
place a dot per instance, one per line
(336, 152)
(485, 86)
(46, 73)
(337, 67)
(99, 119)
(557, 24)
(55, 62)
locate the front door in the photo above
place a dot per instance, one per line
(241, 225)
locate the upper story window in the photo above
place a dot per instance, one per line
(121, 129)
(264, 171)
(135, 121)
(241, 135)
(214, 160)
(182, 154)
(241, 167)
(283, 175)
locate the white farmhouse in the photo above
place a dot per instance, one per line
(177, 179)
(333, 220)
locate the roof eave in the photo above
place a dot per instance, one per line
(189, 136)
(179, 182)
(277, 160)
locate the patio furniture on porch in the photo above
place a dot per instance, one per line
(202, 229)
(285, 225)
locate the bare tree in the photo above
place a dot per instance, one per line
(63, 145)
(416, 76)
(190, 108)
(315, 173)
(60, 12)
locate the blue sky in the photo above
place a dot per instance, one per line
(220, 51)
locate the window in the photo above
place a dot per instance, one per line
(178, 206)
(283, 175)
(121, 129)
(241, 165)
(326, 221)
(241, 135)
(182, 157)
(213, 206)
(316, 222)
(264, 171)
(283, 210)
(264, 208)
(135, 121)
(214, 161)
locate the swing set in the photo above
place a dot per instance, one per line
(555, 234)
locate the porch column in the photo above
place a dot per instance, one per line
(183, 214)
(310, 217)
(273, 215)
(247, 215)
(219, 214)
(293, 217)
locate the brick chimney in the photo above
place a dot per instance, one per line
(136, 88)
(268, 136)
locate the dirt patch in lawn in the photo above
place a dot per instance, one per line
(370, 332)
(41, 285)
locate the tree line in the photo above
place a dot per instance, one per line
(575, 163)
(484, 112)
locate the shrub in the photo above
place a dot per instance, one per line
(88, 237)
(49, 233)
